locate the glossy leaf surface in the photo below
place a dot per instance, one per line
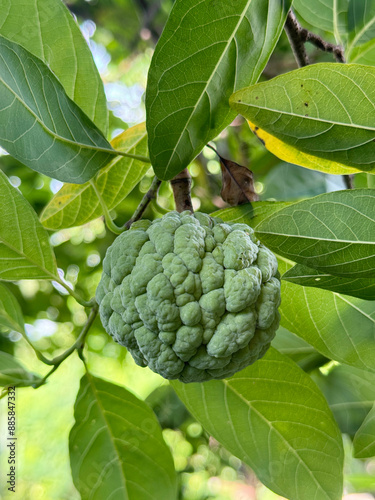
(47, 29)
(327, 15)
(208, 50)
(339, 327)
(116, 446)
(40, 126)
(76, 204)
(364, 440)
(323, 110)
(25, 251)
(273, 417)
(332, 232)
(350, 393)
(12, 373)
(363, 288)
(291, 154)
(10, 311)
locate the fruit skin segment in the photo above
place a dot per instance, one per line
(191, 297)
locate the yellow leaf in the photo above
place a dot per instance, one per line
(76, 204)
(292, 155)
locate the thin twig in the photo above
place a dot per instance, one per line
(181, 186)
(336, 50)
(349, 180)
(148, 197)
(78, 345)
(73, 293)
(112, 226)
(293, 31)
(298, 36)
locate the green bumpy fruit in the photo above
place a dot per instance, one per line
(191, 297)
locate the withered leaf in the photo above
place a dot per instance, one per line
(237, 182)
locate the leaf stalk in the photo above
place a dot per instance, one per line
(78, 345)
(74, 294)
(144, 159)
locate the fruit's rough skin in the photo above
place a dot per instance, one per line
(191, 297)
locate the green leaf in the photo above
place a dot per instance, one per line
(364, 440)
(361, 47)
(252, 214)
(333, 232)
(168, 408)
(116, 446)
(361, 22)
(10, 312)
(324, 110)
(291, 182)
(364, 54)
(206, 52)
(12, 373)
(360, 481)
(25, 251)
(40, 126)
(363, 288)
(338, 326)
(76, 204)
(298, 350)
(47, 29)
(327, 15)
(350, 394)
(273, 417)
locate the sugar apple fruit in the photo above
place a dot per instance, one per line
(191, 297)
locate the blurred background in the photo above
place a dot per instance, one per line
(122, 35)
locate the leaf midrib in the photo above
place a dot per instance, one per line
(335, 23)
(359, 34)
(311, 118)
(248, 403)
(241, 18)
(109, 430)
(316, 238)
(10, 320)
(49, 131)
(88, 185)
(22, 254)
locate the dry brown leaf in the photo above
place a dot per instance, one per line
(237, 182)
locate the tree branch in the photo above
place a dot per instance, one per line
(181, 186)
(348, 179)
(73, 293)
(293, 31)
(321, 44)
(150, 195)
(77, 346)
(298, 36)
